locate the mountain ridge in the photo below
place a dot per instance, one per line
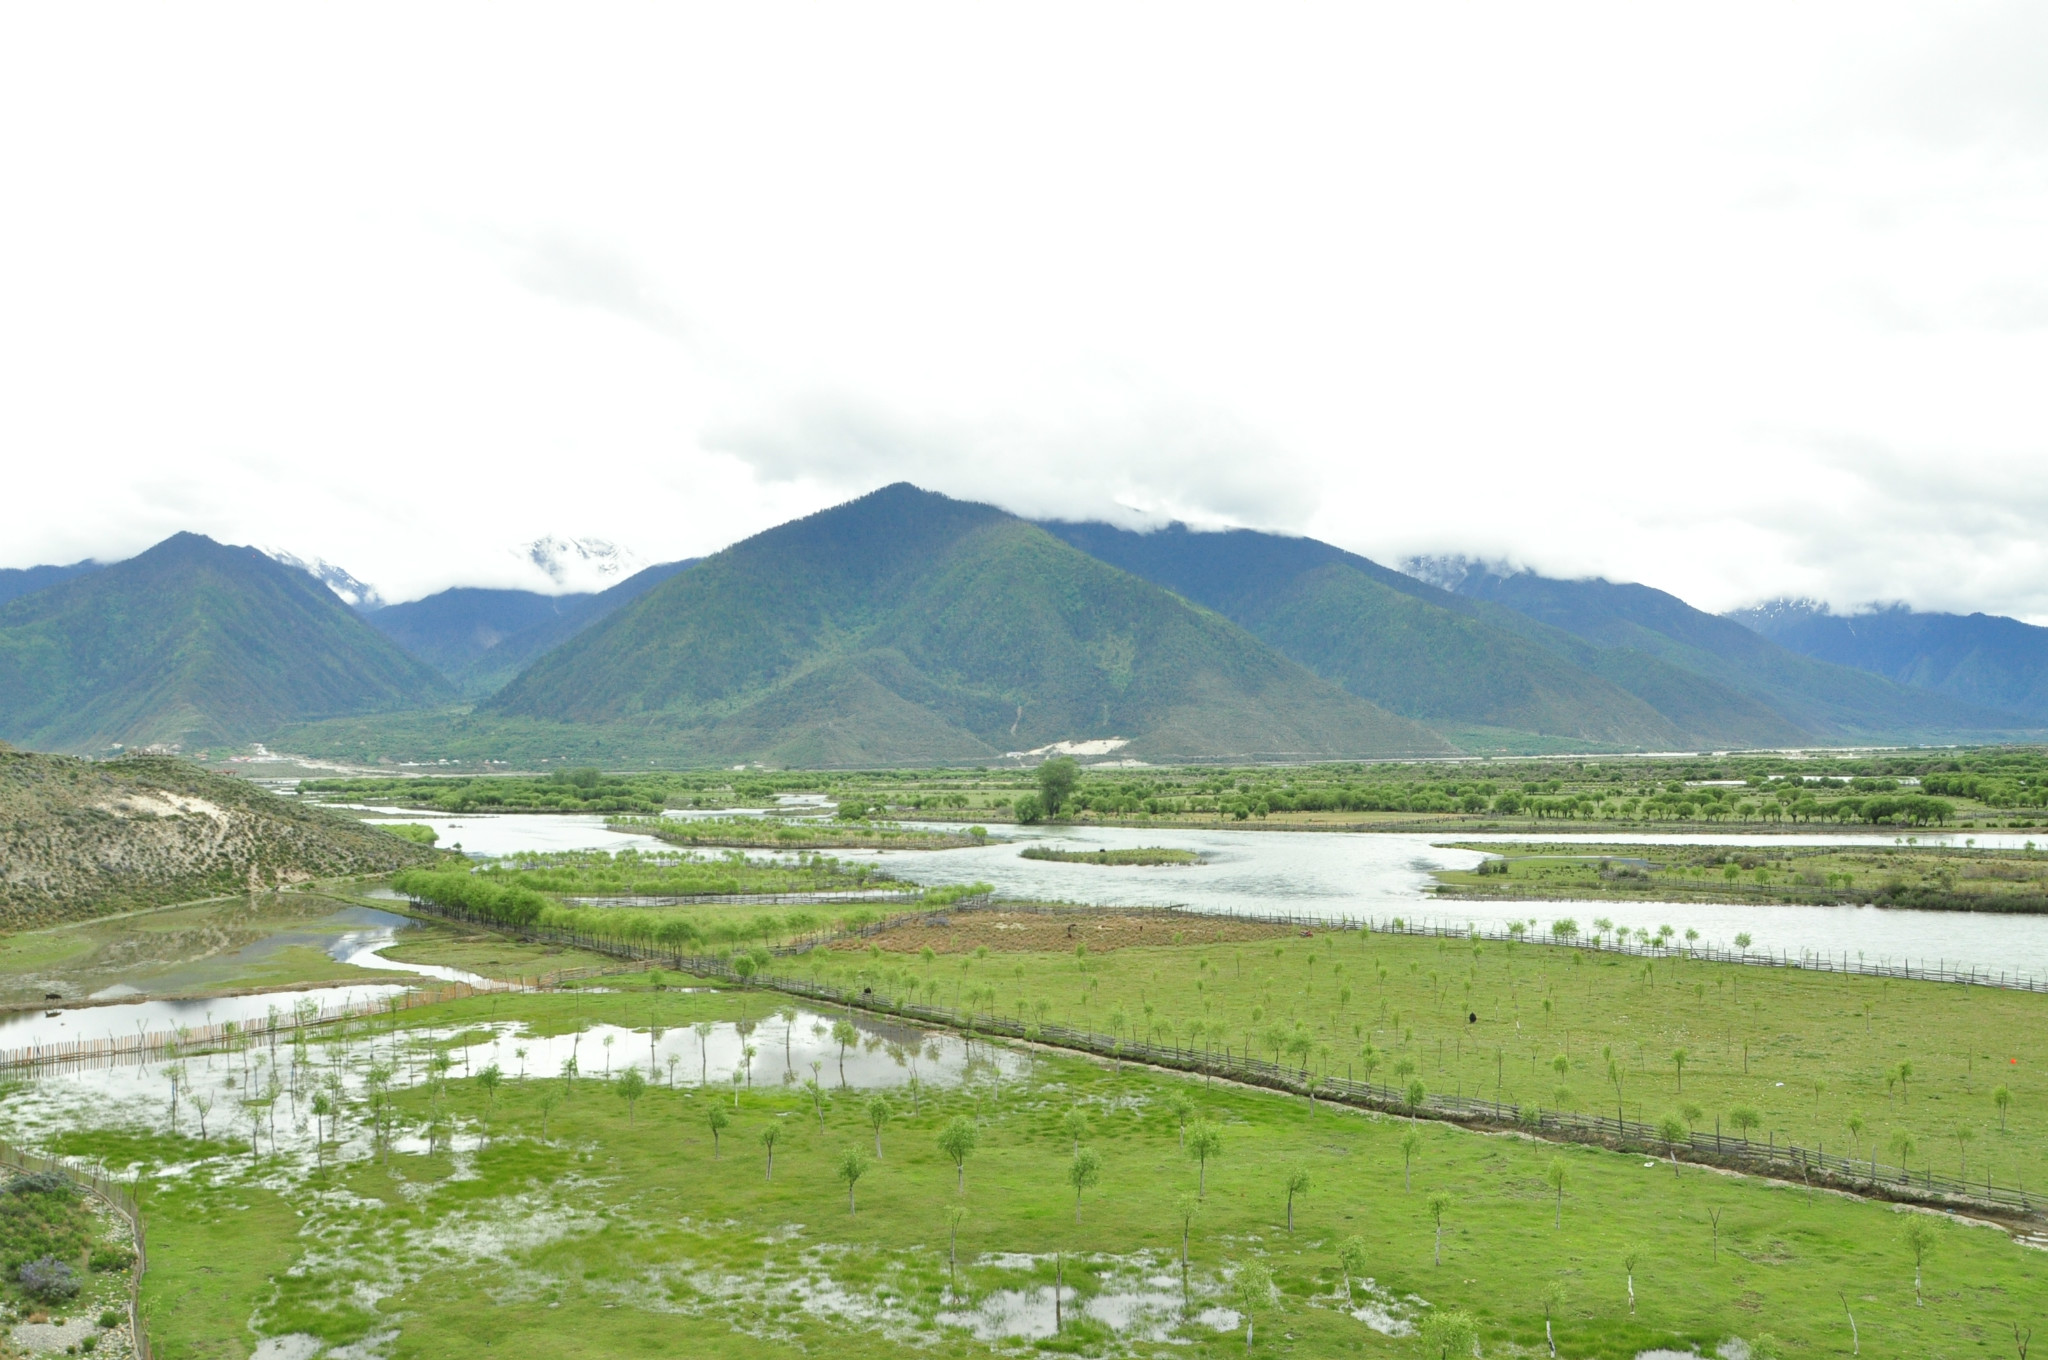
(1984, 659)
(193, 643)
(479, 638)
(957, 627)
(1461, 665)
(1834, 703)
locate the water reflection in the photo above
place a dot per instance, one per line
(783, 1048)
(356, 936)
(126, 1019)
(260, 1093)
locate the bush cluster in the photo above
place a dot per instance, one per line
(47, 1278)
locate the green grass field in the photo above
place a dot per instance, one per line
(1807, 1052)
(1926, 877)
(621, 1232)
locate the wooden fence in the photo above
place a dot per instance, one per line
(116, 1196)
(157, 1045)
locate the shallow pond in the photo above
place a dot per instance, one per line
(231, 941)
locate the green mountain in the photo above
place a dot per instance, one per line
(191, 643)
(84, 838)
(907, 627)
(1834, 703)
(479, 639)
(1477, 671)
(1983, 659)
(15, 581)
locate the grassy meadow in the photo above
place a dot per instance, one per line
(1928, 877)
(1817, 1058)
(549, 1216)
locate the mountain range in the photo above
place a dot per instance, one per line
(1980, 659)
(479, 639)
(907, 627)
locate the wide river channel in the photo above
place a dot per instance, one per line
(1376, 876)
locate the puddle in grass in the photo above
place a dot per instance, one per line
(789, 1047)
(1381, 1311)
(259, 1096)
(1138, 1297)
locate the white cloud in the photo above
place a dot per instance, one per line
(1737, 302)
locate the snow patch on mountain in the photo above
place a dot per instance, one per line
(357, 595)
(580, 564)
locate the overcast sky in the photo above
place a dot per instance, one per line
(1738, 301)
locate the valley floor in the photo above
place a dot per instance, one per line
(469, 1193)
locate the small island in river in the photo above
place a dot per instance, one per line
(1144, 854)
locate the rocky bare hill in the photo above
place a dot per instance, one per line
(84, 838)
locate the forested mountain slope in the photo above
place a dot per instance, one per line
(479, 639)
(17, 581)
(1982, 659)
(1460, 665)
(908, 626)
(1835, 703)
(191, 642)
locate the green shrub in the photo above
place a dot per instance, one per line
(112, 1258)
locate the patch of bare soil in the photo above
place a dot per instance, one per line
(1043, 932)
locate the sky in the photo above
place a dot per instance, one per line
(1742, 301)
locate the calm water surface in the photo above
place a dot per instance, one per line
(1336, 875)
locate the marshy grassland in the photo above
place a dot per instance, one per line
(1914, 1073)
(451, 1206)
(809, 833)
(1140, 855)
(1962, 878)
(272, 939)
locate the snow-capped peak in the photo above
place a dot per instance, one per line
(357, 595)
(580, 564)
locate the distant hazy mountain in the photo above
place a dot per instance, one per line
(479, 639)
(15, 581)
(1832, 702)
(191, 642)
(906, 626)
(1981, 659)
